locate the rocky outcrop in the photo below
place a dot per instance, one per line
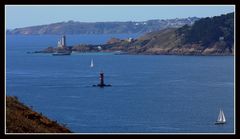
(113, 41)
(55, 50)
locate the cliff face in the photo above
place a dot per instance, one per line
(72, 27)
(21, 119)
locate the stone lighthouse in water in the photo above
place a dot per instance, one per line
(62, 42)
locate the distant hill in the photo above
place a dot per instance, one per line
(207, 36)
(21, 119)
(72, 27)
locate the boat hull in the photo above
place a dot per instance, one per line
(220, 123)
(61, 54)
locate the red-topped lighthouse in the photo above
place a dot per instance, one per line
(101, 78)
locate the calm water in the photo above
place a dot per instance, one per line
(150, 94)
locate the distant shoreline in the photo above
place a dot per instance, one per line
(114, 27)
(51, 50)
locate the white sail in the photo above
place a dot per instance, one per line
(223, 117)
(91, 63)
(219, 116)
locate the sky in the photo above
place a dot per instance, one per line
(17, 16)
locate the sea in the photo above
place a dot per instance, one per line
(150, 94)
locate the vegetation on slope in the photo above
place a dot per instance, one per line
(21, 119)
(207, 36)
(209, 30)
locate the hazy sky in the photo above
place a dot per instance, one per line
(22, 16)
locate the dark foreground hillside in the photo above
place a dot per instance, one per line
(21, 119)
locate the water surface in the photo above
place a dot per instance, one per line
(149, 94)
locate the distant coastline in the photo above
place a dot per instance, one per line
(74, 27)
(207, 36)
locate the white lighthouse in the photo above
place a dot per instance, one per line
(62, 42)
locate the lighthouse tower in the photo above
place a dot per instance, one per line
(62, 42)
(101, 78)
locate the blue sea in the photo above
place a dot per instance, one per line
(149, 93)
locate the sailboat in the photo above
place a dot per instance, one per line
(221, 118)
(91, 63)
